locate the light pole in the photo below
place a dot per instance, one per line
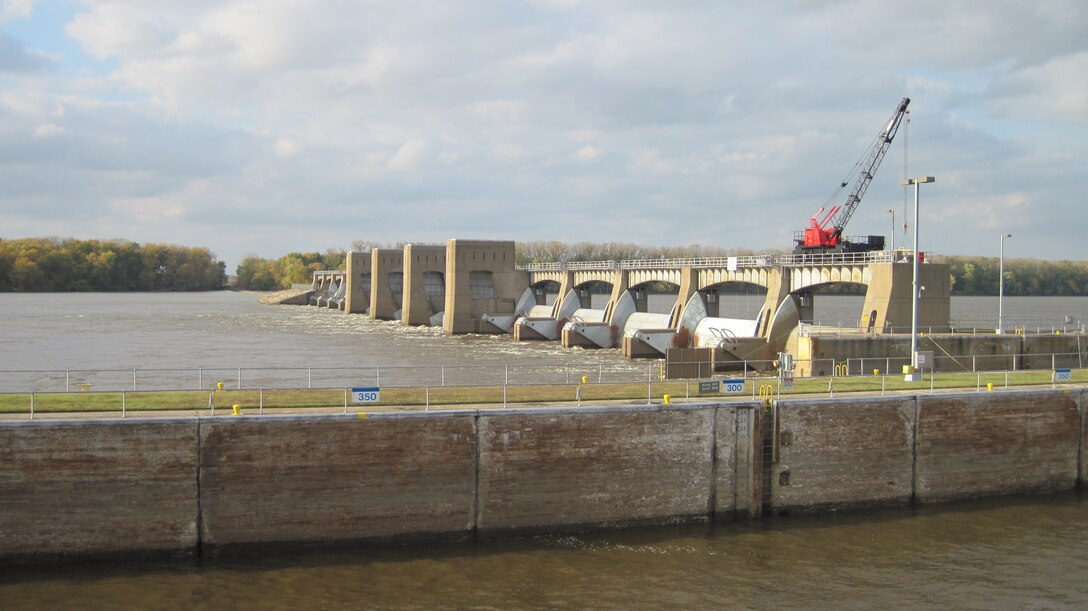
(892, 212)
(913, 376)
(1001, 284)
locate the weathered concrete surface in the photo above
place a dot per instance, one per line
(554, 469)
(843, 453)
(738, 464)
(336, 478)
(996, 443)
(97, 487)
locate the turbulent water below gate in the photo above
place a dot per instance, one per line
(1007, 553)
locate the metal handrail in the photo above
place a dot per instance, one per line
(748, 261)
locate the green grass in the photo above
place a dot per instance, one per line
(445, 396)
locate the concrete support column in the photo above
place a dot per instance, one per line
(499, 284)
(383, 262)
(416, 306)
(888, 299)
(357, 296)
(689, 283)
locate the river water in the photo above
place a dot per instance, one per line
(1008, 553)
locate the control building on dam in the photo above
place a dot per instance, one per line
(474, 286)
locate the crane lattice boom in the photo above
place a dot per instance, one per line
(825, 233)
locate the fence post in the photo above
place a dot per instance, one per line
(133, 380)
(239, 378)
(443, 368)
(346, 391)
(1006, 379)
(378, 377)
(199, 378)
(309, 378)
(31, 405)
(506, 375)
(427, 397)
(66, 380)
(123, 403)
(504, 396)
(600, 373)
(260, 400)
(978, 382)
(883, 383)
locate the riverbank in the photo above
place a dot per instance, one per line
(198, 486)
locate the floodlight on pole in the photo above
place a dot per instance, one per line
(913, 376)
(891, 211)
(1001, 284)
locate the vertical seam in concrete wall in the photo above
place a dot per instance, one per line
(476, 484)
(914, 451)
(199, 508)
(712, 498)
(1080, 440)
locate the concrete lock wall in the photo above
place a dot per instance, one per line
(340, 478)
(182, 485)
(98, 487)
(846, 453)
(545, 469)
(984, 445)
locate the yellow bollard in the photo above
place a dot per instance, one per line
(666, 399)
(237, 409)
(362, 415)
(990, 386)
(585, 379)
(219, 386)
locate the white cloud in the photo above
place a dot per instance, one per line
(47, 130)
(286, 147)
(409, 156)
(588, 153)
(16, 9)
(148, 209)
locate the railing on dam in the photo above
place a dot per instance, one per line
(751, 261)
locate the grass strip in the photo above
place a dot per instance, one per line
(392, 397)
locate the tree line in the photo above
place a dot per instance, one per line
(56, 264)
(1023, 277)
(258, 274)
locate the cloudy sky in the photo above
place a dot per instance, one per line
(269, 126)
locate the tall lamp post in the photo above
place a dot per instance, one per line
(892, 212)
(913, 376)
(1001, 285)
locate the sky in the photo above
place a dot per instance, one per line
(265, 127)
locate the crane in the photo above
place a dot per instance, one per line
(824, 233)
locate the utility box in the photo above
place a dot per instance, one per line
(687, 363)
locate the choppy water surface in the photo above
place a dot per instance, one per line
(1026, 553)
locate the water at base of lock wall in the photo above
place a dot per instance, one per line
(996, 554)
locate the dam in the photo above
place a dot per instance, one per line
(477, 287)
